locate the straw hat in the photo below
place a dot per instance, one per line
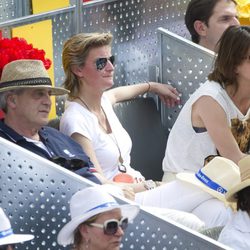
(244, 165)
(6, 233)
(27, 74)
(85, 204)
(215, 178)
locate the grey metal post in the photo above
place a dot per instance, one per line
(78, 16)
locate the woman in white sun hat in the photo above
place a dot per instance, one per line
(97, 221)
(7, 236)
(236, 233)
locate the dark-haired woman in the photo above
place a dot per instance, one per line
(215, 120)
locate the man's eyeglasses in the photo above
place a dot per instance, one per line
(102, 62)
(110, 227)
(7, 247)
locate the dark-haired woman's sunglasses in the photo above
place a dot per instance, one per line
(7, 247)
(102, 62)
(110, 227)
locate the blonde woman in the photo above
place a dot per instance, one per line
(89, 117)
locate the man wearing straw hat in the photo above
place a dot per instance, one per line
(7, 236)
(25, 90)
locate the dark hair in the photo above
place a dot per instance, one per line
(233, 48)
(243, 199)
(78, 239)
(200, 10)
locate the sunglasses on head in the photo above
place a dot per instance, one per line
(102, 62)
(110, 227)
(7, 247)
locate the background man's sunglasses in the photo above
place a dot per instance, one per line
(110, 227)
(102, 62)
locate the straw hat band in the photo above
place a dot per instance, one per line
(208, 182)
(6, 233)
(217, 178)
(27, 82)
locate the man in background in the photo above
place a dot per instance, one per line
(206, 20)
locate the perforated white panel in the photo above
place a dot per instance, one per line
(183, 64)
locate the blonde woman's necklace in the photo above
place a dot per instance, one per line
(121, 166)
(106, 129)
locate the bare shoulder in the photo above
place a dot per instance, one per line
(204, 109)
(206, 103)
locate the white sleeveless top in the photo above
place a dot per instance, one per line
(187, 149)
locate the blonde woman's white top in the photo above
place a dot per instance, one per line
(78, 119)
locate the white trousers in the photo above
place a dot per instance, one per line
(185, 197)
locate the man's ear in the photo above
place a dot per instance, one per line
(11, 101)
(78, 71)
(200, 27)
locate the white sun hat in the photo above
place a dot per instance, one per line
(216, 178)
(244, 165)
(85, 204)
(6, 233)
